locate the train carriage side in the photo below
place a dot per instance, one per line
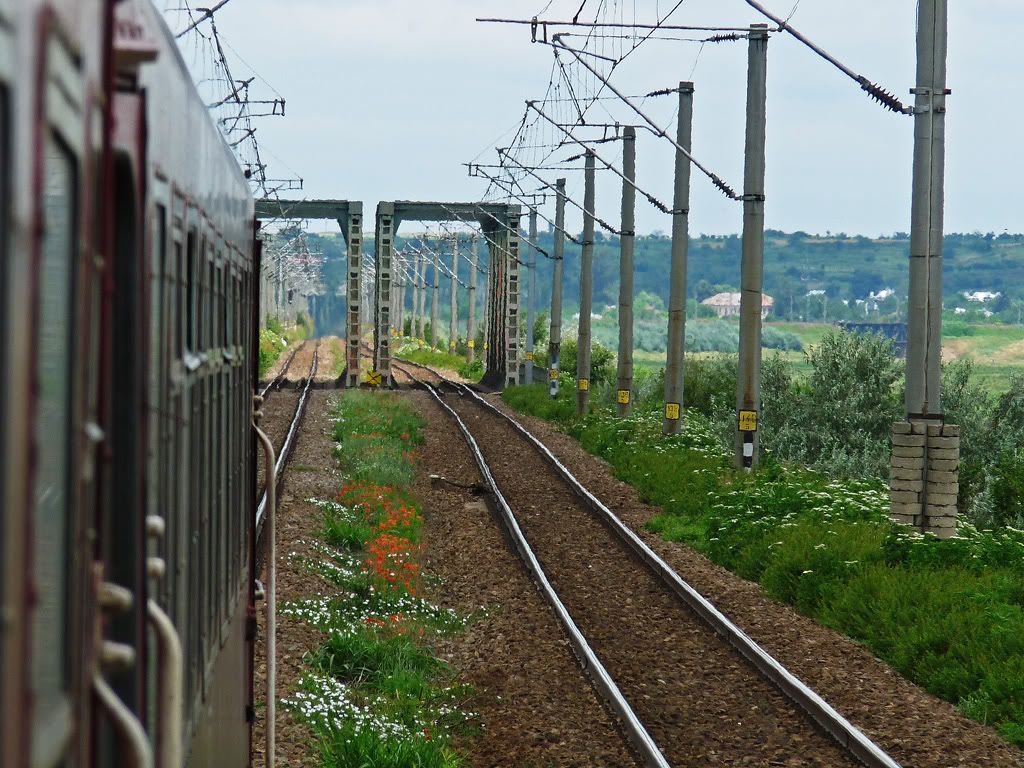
(197, 284)
(51, 149)
(126, 375)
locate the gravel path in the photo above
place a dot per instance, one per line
(312, 473)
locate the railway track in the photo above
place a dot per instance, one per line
(688, 685)
(275, 383)
(282, 417)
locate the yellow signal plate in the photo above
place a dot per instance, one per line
(471, 344)
(553, 374)
(584, 385)
(672, 411)
(529, 356)
(451, 345)
(748, 421)
(623, 397)
(374, 378)
(486, 346)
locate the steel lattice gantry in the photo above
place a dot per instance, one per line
(500, 225)
(349, 215)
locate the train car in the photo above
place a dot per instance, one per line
(127, 364)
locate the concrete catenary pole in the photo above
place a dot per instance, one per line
(748, 386)
(487, 309)
(417, 298)
(676, 366)
(557, 279)
(586, 290)
(453, 323)
(925, 477)
(398, 305)
(531, 293)
(924, 317)
(471, 320)
(624, 396)
(675, 369)
(435, 297)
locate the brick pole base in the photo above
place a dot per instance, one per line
(924, 477)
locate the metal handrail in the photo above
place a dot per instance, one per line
(171, 700)
(124, 721)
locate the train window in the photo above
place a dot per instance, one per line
(52, 497)
(179, 336)
(191, 289)
(211, 297)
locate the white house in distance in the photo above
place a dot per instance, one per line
(728, 304)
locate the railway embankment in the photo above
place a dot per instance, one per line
(814, 570)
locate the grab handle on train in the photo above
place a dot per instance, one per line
(128, 727)
(170, 664)
(171, 668)
(270, 524)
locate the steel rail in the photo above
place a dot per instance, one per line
(275, 383)
(848, 736)
(842, 730)
(289, 441)
(636, 733)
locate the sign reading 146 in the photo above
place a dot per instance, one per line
(748, 421)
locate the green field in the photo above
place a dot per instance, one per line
(996, 350)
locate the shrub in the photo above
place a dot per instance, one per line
(602, 361)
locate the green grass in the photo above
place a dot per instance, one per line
(375, 696)
(444, 361)
(276, 338)
(949, 615)
(340, 363)
(376, 437)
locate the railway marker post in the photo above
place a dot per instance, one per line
(624, 396)
(435, 296)
(925, 465)
(586, 291)
(748, 385)
(471, 320)
(531, 292)
(558, 277)
(453, 324)
(421, 320)
(675, 367)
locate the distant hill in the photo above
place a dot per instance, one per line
(846, 268)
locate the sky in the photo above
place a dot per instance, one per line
(387, 99)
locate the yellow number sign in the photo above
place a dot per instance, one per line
(584, 385)
(623, 397)
(529, 356)
(471, 344)
(748, 421)
(553, 374)
(672, 411)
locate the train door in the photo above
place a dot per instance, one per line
(6, 236)
(121, 531)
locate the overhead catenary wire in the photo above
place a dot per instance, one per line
(875, 91)
(604, 224)
(650, 198)
(658, 130)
